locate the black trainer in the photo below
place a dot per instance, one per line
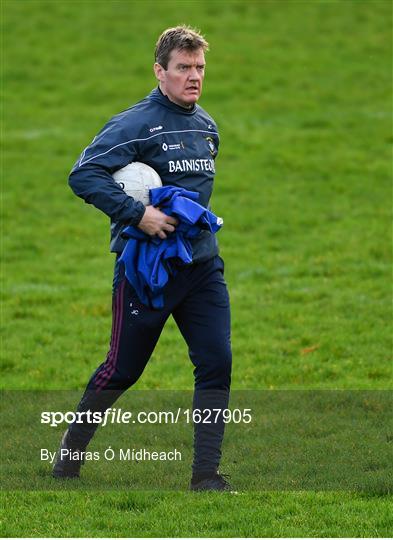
(217, 482)
(68, 461)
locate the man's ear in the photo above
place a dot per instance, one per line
(159, 71)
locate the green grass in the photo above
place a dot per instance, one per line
(184, 514)
(301, 91)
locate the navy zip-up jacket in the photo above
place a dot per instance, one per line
(180, 144)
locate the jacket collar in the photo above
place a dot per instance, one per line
(157, 95)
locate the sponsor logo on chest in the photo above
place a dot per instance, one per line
(178, 146)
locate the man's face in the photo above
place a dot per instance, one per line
(182, 81)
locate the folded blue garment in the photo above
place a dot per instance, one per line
(149, 261)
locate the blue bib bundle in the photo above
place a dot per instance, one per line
(149, 261)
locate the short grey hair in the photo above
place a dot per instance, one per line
(181, 38)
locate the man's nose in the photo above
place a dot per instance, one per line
(194, 74)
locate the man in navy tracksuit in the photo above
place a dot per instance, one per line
(171, 133)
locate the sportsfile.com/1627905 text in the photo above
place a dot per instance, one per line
(118, 416)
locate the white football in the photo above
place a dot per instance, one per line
(136, 179)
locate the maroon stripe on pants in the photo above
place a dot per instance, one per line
(103, 377)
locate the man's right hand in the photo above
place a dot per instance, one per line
(154, 222)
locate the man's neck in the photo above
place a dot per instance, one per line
(186, 106)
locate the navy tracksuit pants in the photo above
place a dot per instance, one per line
(198, 300)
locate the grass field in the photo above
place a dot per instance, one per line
(301, 91)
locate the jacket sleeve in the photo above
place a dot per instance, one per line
(91, 177)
